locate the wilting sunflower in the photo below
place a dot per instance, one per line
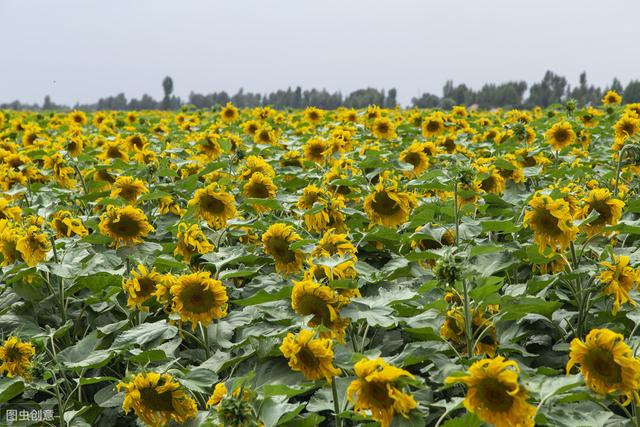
(551, 222)
(15, 357)
(312, 357)
(608, 208)
(260, 186)
(9, 212)
(611, 98)
(255, 164)
(311, 298)
(276, 241)
(330, 216)
(33, 246)
(492, 181)
(229, 113)
(607, 364)
(494, 394)
(114, 150)
(209, 145)
(66, 225)
(383, 128)
(141, 287)
(219, 391)
(619, 279)
(333, 243)
(191, 240)
(313, 115)
(378, 389)
(322, 272)
(10, 233)
(214, 204)
(199, 298)
(128, 188)
(388, 206)
(167, 205)
(316, 150)
(416, 156)
(125, 225)
(453, 330)
(136, 141)
(432, 125)
(157, 399)
(560, 135)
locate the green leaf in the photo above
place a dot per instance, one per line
(144, 334)
(10, 388)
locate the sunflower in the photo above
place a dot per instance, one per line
(260, 186)
(136, 142)
(313, 115)
(560, 135)
(453, 329)
(276, 241)
(15, 357)
(214, 204)
(325, 272)
(416, 156)
(229, 113)
(9, 212)
(199, 298)
(311, 298)
(551, 222)
(611, 98)
(626, 127)
(114, 150)
(191, 240)
(265, 135)
(10, 233)
(66, 225)
(209, 145)
(141, 287)
(608, 208)
(125, 225)
(619, 279)
(333, 243)
(78, 118)
(157, 399)
(494, 394)
(432, 125)
(312, 357)
(316, 150)
(607, 364)
(378, 389)
(128, 188)
(250, 127)
(388, 206)
(33, 246)
(383, 128)
(167, 205)
(219, 392)
(255, 164)
(492, 181)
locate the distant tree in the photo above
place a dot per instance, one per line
(549, 91)
(632, 92)
(426, 100)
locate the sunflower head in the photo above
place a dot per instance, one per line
(322, 302)
(388, 206)
(197, 298)
(259, 186)
(128, 188)
(608, 208)
(33, 245)
(611, 98)
(125, 225)
(229, 113)
(191, 240)
(15, 357)
(214, 204)
(551, 222)
(560, 135)
(141, 287)
(276, 241)
(384, 128)
(66, 225)
(312, 357)
(619, 280)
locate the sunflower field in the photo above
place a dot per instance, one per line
(255, 267)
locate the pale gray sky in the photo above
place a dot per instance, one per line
(80, 50)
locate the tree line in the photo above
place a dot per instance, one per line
(550, 90)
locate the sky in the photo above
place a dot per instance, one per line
(81, 50)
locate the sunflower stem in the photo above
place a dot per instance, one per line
(205, 340)
(455, 209)
(467, 319)
(336, 403)
(618, 168)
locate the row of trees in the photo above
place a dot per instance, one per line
(550, 90)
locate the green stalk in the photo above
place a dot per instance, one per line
(205, 340)
(468, 330)
(336, 404)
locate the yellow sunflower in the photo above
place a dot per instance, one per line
(219, 392)
(316, 150)
(136, 142)
(313, 115)
(494, 394)
(266, 135)
(607, 364)
(560, 135)
(33, 246)
(10, 233)
(432, 125)
(388, 206)
(214, 204)
(255, 164)
(229, 113)
(191, 240)
(551, 222)
(15, 357)
(260, 186)
(416, 156)
(311, 298)
(453, 329)
(9, 212)
(276, 241)
(377, 389)
(157, 399)
(492, 181)
(167, 205)
(608, 208)
(323, 273)
(383, 128)
(330, 214)
(66, 225)
(141, 287)
(199, 298)
(125, 225)
(333, 243)
(619, 279)
(128, 188)
(611, 98)
(312, 357)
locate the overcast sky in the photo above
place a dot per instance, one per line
(80, 50)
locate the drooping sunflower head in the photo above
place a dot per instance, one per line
(265, 135)
(312, 357)
(199, 298)
(128, 188)
(15, 357)
(167, 205)
(191, 240)
(333, 243)
(551, 221)
(322, 302)
(377, 389)
(607, 363)
(276, 241)
(388, 206)
(125, 225)
(66, 225)
(492, 181)
(619, 279)
(560, 135)
(608, 208)
(136, 142)
(33, 245)
(9, 212)
(255, 164)
(209, 145)
(214, 204)
(494, 395)
(157, 399)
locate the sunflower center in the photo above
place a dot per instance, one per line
(602, 365)
(264, 136)
(196, 299)
(125, 227)
(489, 184)
(317, 150)
(211, 204)
(13, 354)
(311, 304)
(603, 210)
(136, 141)
(494, 395)
(383, 128)
(561, 135)
(128, 192)
(280, 250)
(147, 286)
(433, 126)
(157, 401)
(385, 205)
(307, 358)
(547, 223)
(413, 159)
(258, 190)
(378, 392)
(228, 113)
